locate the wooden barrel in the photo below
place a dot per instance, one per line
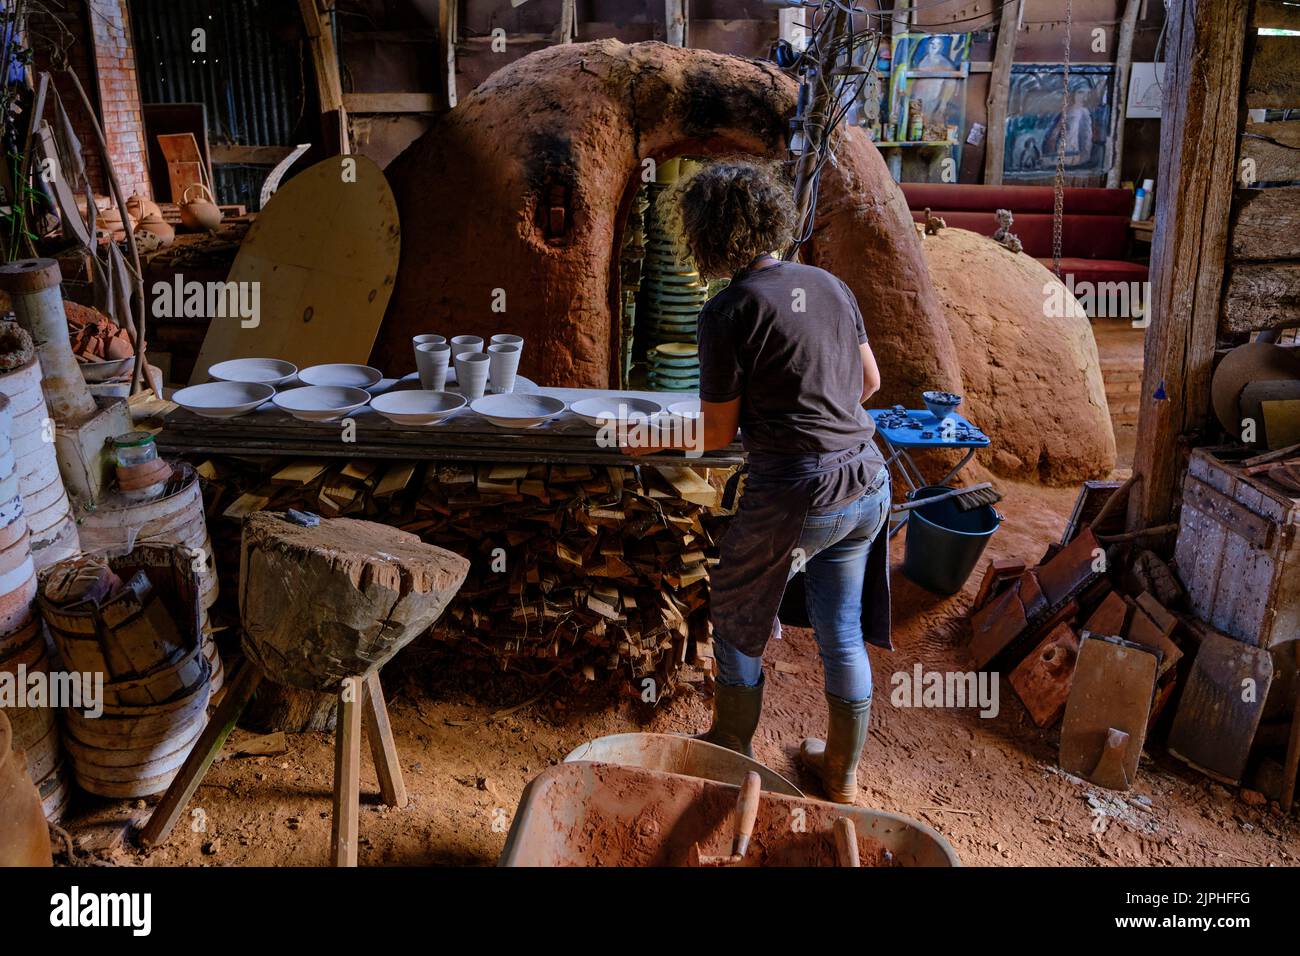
(36, 729)
(147, 626)
(176, 517)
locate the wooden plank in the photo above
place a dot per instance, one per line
(448, 31)
(1198, 167)
(1274, 81)
(1262, 296)
(325, 62)
(383, 748)
(1276, 15)
(390, 103)
(251, 155)
(1267, 224)
(1004, 56)
(1273, 151)
(1235, 518)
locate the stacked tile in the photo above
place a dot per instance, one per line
(22, 646)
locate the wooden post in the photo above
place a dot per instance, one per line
(448, 29)
(1200, 123)
(1123, 67)
(1004, 55)
(347, 775)
(568, 20)
(316, 16)
(675, 16)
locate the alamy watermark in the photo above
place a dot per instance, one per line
(946, 689)
(180, 299)
(623, 429)
(1100, 300)
(66, 690)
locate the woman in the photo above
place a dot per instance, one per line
(784, 357)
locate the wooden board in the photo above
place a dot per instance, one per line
(1274, 149)
(1114, 684)
(1262, 295)
(185, 164)
(1267, 223)
(1274, 80)
(325, 253)
(1220, 707)
(466, 436)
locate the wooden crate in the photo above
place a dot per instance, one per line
(1237, 552)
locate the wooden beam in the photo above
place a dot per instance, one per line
(568, 28)
(1260, 296)
(1004, 54)
(1274, 81)
(1274, 152)
(1123, 67)
(251, 155)
(675, 22)
(1267, 224)
(325, 60)
(390, 102)
(1274, 15)
(1200, 123)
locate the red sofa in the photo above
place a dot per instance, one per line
(1094, 230)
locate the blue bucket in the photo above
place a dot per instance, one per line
(944, 543)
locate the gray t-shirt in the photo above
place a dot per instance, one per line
(784, 339)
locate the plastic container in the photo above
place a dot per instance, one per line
(134, 448)
(944, 543)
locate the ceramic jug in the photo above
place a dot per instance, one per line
(202, 213)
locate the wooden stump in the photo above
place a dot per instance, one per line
(326, 603)
(280, 707)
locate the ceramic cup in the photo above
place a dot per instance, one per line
(465, 343)
(472, 373)
(429, 337)
(503, 361)
(431, 360)
(505, 338)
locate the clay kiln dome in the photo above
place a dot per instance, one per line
(1032, 379)
(513, 202)
(520, 192)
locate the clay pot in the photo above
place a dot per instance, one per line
(200, 213)
(154, 225)
(24, 836)
(141, 208)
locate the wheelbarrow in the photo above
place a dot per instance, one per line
(600, 814)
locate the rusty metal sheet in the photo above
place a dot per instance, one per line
(1220, 707)
(1114, 684)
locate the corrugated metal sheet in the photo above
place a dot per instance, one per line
(250, 77)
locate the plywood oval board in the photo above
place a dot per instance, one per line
(324, 252)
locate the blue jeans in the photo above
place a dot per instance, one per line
(834, 550)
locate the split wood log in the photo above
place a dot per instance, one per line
(323, 604)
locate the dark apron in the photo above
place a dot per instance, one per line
(746, 588)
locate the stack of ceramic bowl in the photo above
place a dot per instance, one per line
(174, 517)
(45, 503)
(674, 367)
(632, 262)
(36, 731)
(672, 291)
(134, 619)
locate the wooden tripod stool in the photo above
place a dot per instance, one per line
(325, 604)
(347, 759)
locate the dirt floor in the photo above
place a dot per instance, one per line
(990, 786)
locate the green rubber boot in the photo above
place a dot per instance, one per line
(835, 760)
(735, 717)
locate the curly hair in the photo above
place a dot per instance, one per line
(731, 212)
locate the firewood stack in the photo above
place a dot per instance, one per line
(595, 572)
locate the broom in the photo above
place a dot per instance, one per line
(966, 499)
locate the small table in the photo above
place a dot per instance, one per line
(900, 438)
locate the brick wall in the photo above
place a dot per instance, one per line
(119, 94)
(73, 17)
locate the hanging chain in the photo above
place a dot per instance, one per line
(1058, 198)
